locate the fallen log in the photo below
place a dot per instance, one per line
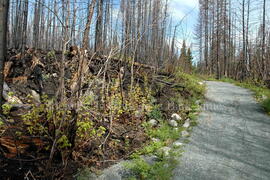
(11, 147)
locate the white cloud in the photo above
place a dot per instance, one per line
(180, 8)
(177, 13)
(187, 3)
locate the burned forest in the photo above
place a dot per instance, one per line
(89, 84)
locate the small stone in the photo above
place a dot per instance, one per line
(153, 122)
(176, 129)
(151, 160)
(264, 97)
(173, 123)
(176, 117)
(177, 144)
(54, 75)
(187, 124)
(185, 134)
(5, 87)
(166, 165)
(198, 102)
(155, 139)
(166, 150)
(35, 96)
(201, 83)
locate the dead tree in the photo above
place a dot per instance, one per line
(263, 42)
(4, 6)
(88, 23)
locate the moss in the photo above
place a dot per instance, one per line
(266, 105)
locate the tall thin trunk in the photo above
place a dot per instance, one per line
(242, 63)
(206, 35)
(72, 31)
(25, 18)
(88, 23)
(263, 43)
(98, 35)
(4, 7)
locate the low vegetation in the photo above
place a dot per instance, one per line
(164, 135)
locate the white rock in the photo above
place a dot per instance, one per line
(177, 144)
(198, 102)
(173, 123)
(166, 150)
(201, 83)
(5, 87)
(184, 133)
(176, 129)
(151, 160)
(264, 97)
(54, 75)
(186, 124)
(176, 117)
(153, 122)
(155, 139)
(35, 96)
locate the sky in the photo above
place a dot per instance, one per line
(187, 11)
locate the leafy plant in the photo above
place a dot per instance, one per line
(63, 142)
(6, 108)
(266, 105)
(51, 55)
(155, 113)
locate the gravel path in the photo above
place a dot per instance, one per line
(231, 141)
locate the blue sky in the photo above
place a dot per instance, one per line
(188, 11)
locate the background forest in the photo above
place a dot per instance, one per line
(234, 39)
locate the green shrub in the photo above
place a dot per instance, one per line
(266, 105)
(155, 113)
(164, 133)
(160, 170)
(191, 84)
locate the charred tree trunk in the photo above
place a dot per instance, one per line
(4, 6)
(88, 23)
(98, 36)
(263, 43)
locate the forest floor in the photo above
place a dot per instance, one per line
(231, 140)
(112, 121)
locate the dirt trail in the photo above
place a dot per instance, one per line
(232, 140)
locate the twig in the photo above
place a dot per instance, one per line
(31, 175)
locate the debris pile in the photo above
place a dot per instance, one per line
(108, 115)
